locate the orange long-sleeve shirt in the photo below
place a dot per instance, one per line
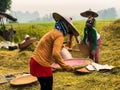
(48, 49)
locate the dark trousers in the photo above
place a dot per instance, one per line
(46, 82)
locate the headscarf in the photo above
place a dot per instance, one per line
(61, 26)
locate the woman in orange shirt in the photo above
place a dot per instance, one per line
(48, 51)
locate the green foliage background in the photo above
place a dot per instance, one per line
(5, 5)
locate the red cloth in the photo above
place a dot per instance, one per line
(38, 70)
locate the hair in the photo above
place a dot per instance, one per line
(91, 22)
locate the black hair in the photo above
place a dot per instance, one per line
(91, 22)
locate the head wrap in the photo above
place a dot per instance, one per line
(61, 26)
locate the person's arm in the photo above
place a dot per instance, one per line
(56, 53)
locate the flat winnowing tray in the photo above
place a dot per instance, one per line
(23, 80)
(83, 51)
(3, 80)
(27, 43)
(75, 63)
(83, 71)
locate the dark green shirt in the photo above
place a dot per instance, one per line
(94, 36)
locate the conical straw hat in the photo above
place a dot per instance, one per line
(89, 13)
(72, 28)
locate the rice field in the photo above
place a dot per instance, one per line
(17, 62)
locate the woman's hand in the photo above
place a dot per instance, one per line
(93, 52)
(81, 42)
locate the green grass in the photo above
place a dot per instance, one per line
(13, 62)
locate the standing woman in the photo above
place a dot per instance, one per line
(91, 36)
(48, 51)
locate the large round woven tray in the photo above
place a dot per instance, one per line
(83, 71)
(23, 80)
(3, 80)
(27, 43)
(81, 51)
(75, 63)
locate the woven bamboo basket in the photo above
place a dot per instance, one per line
(80, 51)
(76, 63)
(23, 80)
(83, 71)
(27, 43)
